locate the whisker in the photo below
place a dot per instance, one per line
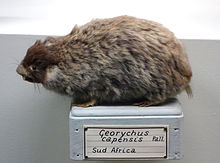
(34, 87)
(16, 61)
(13, 63)
(38, 88)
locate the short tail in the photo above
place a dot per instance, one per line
(189, 91)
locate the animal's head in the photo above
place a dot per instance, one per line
(37, 63)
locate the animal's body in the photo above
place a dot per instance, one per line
(106, 61)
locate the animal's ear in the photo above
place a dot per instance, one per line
(75, 28)
(49, 41)
(38, 42)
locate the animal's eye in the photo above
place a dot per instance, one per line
(33, 67)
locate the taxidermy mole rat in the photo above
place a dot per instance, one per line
(122, 60)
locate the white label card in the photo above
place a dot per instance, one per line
(108, 142)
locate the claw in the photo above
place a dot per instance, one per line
(148, 103)
(86, 104)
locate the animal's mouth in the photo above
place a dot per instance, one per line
(28, 79)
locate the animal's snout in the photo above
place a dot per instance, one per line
(25, 75)
(21, 70)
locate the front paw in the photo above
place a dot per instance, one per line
(86, 104)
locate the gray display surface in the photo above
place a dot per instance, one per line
(92, 124)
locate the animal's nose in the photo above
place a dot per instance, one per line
(21, 70)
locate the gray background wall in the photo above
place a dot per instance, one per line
(34, 123)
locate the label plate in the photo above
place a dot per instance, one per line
(108, 142)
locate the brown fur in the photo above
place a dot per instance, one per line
(117, 60)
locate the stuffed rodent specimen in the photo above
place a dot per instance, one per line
(108, 61)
